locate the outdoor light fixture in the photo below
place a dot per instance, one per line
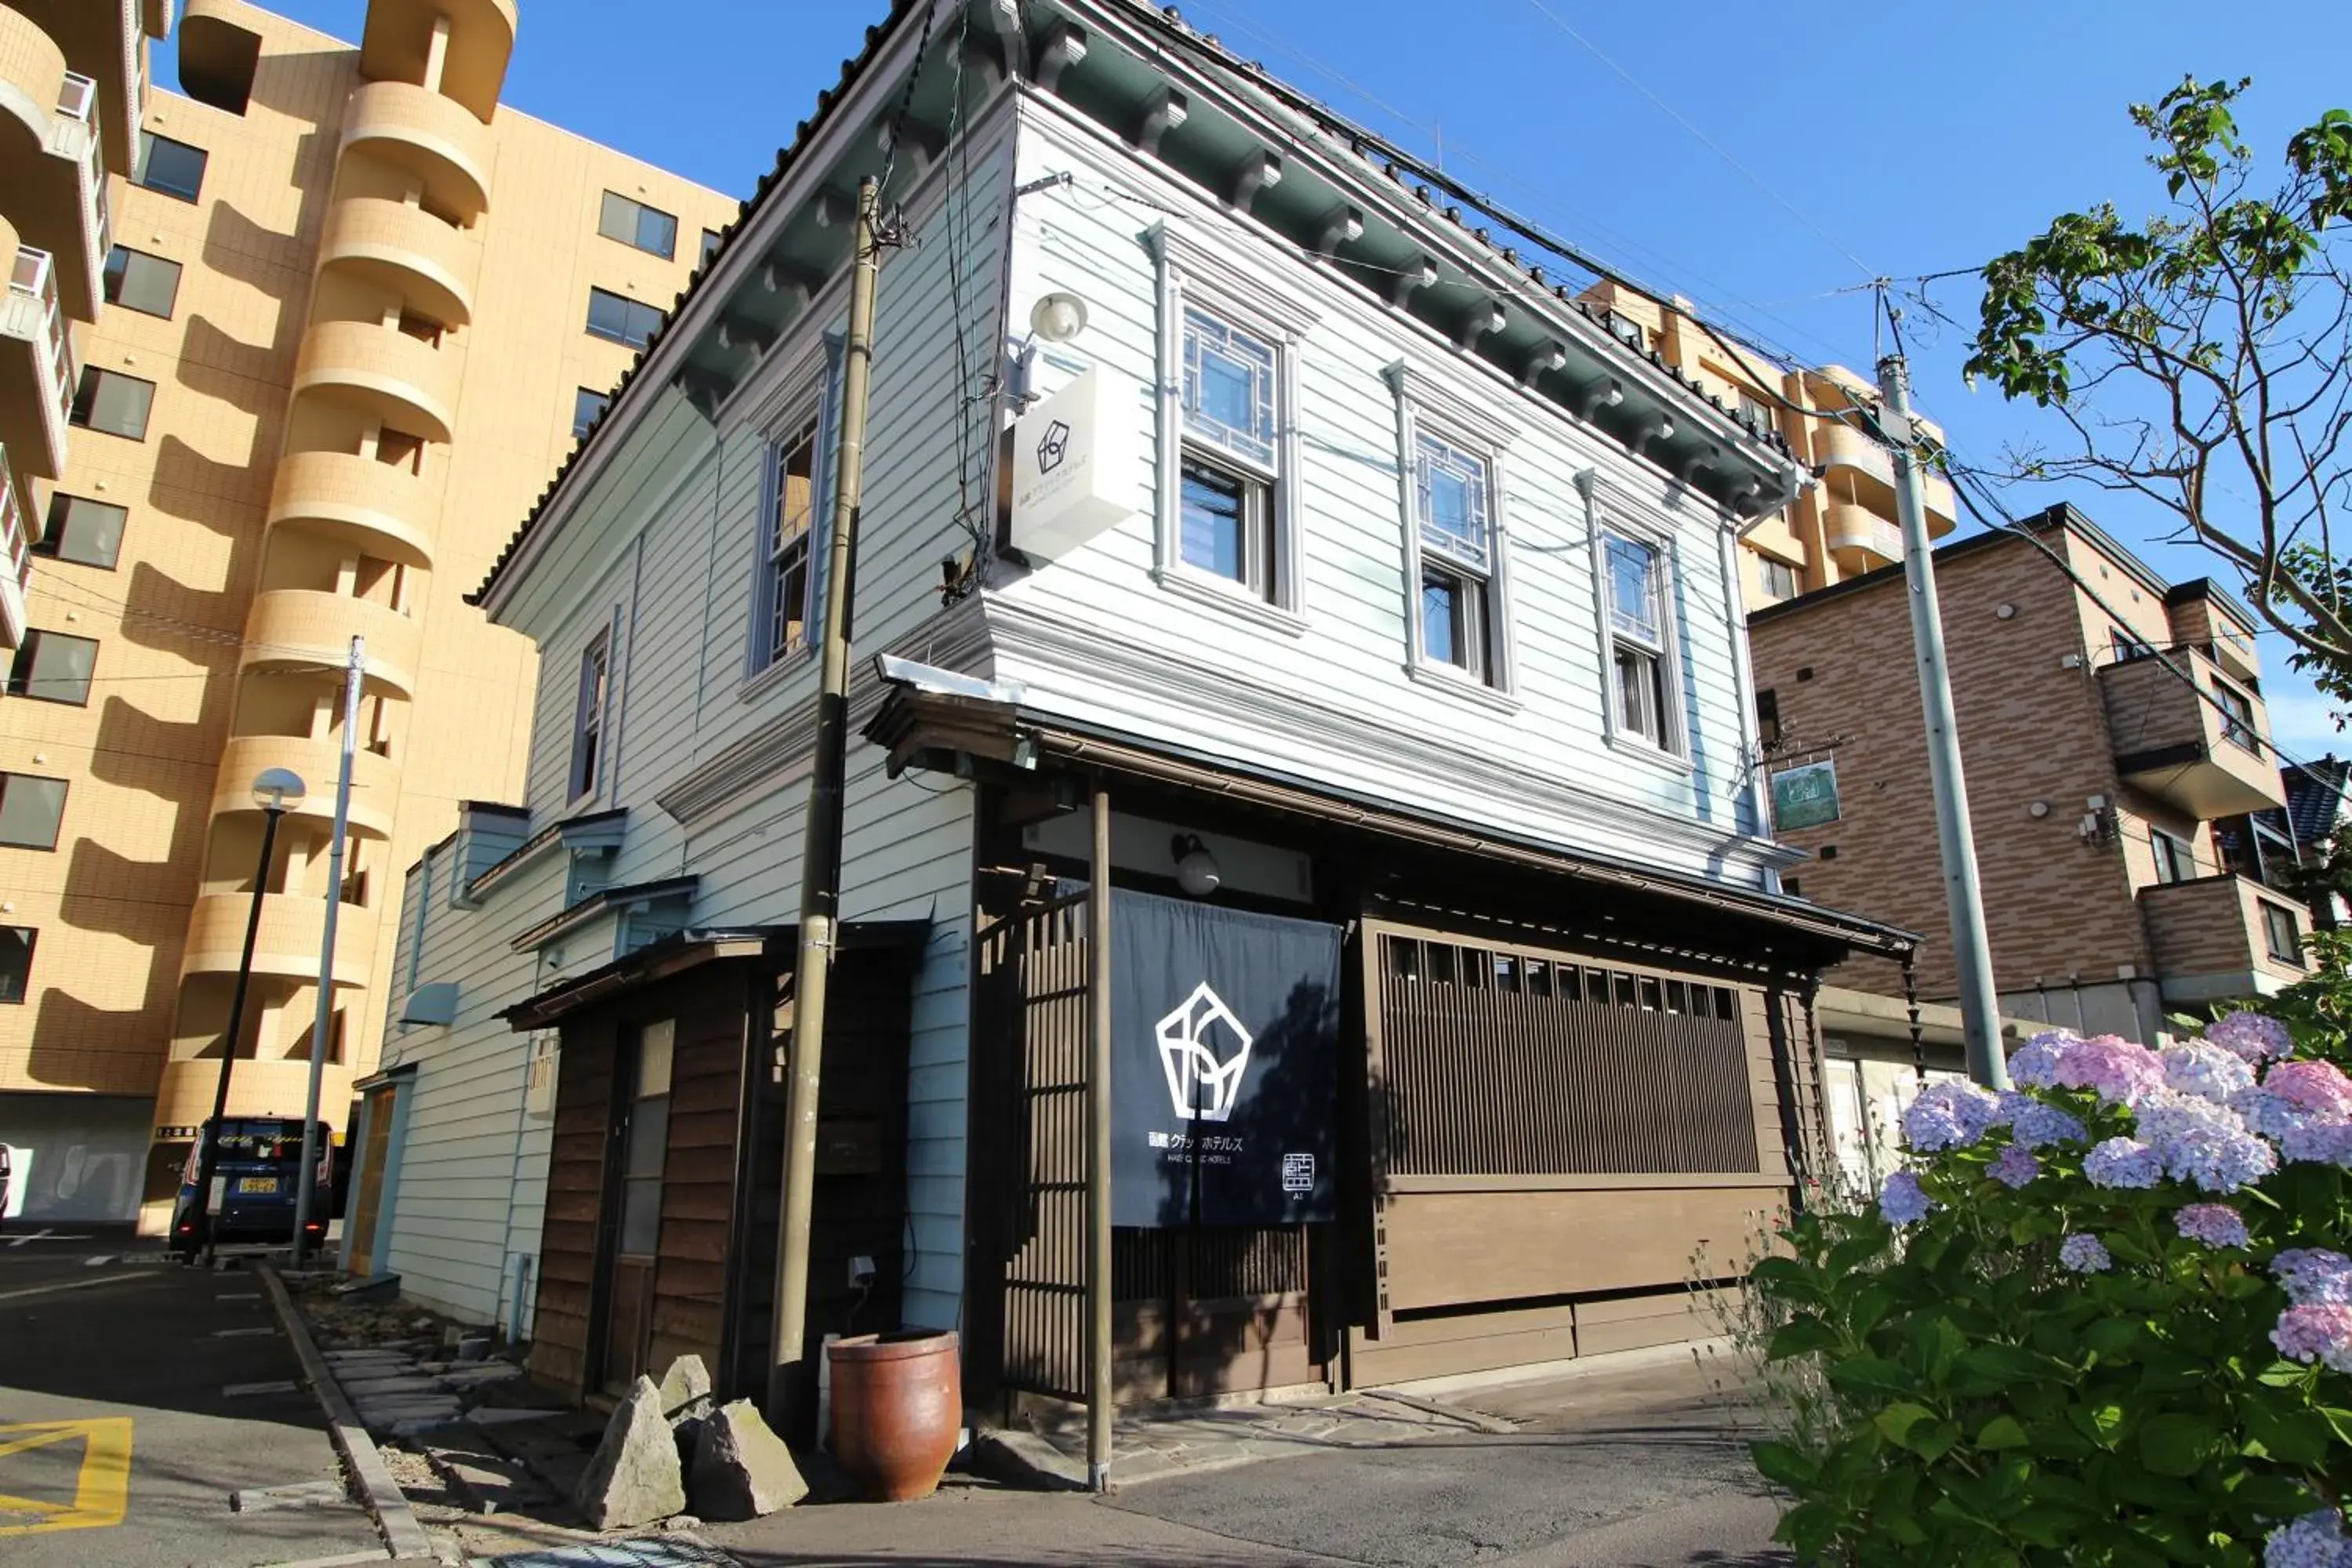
(1058, 317)
(1197, 873)
(277, 789)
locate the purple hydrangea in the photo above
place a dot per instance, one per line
(2038, 1126)
(2314, 1277)
(2035, 1063)
(1948, 1115)
(2215, 1224)
(2319, 1087)
(2122, 1163)
(2084, 1254)
(2111, 1066)
(2251, 1037)
(2271, 1115)
(1903, 1200)
(2202, 1144)
(2014, 1168)
(2315, 1541)
(2318, 1142)
(2315, 1333)
(2206, 1072)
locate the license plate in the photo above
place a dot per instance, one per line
(256, 1184)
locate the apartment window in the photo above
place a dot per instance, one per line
(1225, 517)
(710, 243)
(1777, 578)
(138, 281)
(1635, 579)
(1756, 412)
(587, 407)
(2175, 861)
(786, 600)
(588, 717)
(2284, 934)
(2128, 647)
(88, 532)
(646, 1140)
(31, 807)
(1767, 716)
(2238, 723)
(116, 404)
(172, 167)
(650, 229)
(1629, 331)
(16, 962)
(621, 321)
(1453, 507)
(53, 668)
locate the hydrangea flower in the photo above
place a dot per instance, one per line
(2250, 1037)
(2314, 1277)
(2271, 1115)
(2206, 1072)
(2319, 1087)
(2014, 1168)
(1903, 1200)
(2315, 1541)
(2111, 1066)
(2038, 1126)
(2199, 1141)
(2084, 1254)
(1948, 1115)
(2312, 1333)
(2035, 1063)
(2122, 1163)
(2215, 1224)
(2318, 1142)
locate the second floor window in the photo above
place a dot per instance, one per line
(2175, 861)
(2283, 935)
(786, 603)
(620, 320)
(2238, 723)
(1639, 643)
(1226, 512)
(116, 404)
(633, 222)
(172, 167)
(588, 717)
(1452, 518)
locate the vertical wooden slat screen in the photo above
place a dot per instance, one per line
(1504, 1062)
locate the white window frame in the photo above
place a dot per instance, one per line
(1606, 519)
(2175, 858)
(591, 714)
(1427, 409)
(815, 398)
(1233, 291)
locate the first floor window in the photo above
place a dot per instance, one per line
(1635, 582)
(116, 404)
(54, 667)
(588, 717)
(1223, 525)
(31, 808)
(83, 531)
(2174, 860)
(2284, 934)
(17, 962)
(646, 1142)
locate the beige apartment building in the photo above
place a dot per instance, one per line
(351, 315)
(2126, 806)
(1844, 525)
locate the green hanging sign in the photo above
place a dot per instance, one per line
(1805, 795)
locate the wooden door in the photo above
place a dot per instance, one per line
(640, 1151)
(374, 1151)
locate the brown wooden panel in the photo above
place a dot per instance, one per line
(1628, 1323)
(707, 1201)
(701, 1129)
(1455, 1249)
(1462, 1342)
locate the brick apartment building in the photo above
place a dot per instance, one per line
(2126, 824)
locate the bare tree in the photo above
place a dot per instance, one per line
(2203, 358)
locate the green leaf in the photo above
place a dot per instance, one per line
(2175, 1444)
(1870, 1374)
(1898, 1419)
(2102, 1421)
(1784, 1275)
(1784, 1466)
(2001, 1432)
(2294, 1434)
(1802, 1335)
(2111, 1337)
(1807, 1530)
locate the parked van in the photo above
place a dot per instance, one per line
(257, 1179)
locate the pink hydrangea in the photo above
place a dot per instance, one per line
(2034, 1064)
(2318, 1332)
(2206, 1072)
(2215, 1224)
(2317, 1087)
(2111, 1066)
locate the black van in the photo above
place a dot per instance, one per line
(257, 1177)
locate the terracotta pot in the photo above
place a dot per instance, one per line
(897, 1406)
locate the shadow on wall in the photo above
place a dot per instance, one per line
(74, 1159)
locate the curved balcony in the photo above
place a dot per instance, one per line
(1851, 527)
(1855, 466)
(286, 946)
(184, 1096)
(375, 782)
(431, 137)
(481, 41)
(32, 70)
(404, 380)
(404, 249)
(305, 631)
(388, 513)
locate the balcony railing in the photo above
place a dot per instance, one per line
(34, 277)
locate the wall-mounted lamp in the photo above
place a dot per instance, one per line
(1197, 872)
(1057, 317)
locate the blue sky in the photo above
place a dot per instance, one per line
(1889, 141)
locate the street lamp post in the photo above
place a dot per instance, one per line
(275, 791)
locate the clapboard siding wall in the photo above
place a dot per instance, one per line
(1336, 700)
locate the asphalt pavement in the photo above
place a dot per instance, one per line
(137, 1399)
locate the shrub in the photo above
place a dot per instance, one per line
(2101, 1318)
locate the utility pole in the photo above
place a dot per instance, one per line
(1098, 1119)
(1971, 950)
(821, 843)
(322, 1020)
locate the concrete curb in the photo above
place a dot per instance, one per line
(1026, 1460)
(402, 1534)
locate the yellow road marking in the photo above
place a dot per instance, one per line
(102, 1486)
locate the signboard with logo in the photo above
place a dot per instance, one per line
(1805, 795)
(1078, 465)
(1224, 1066)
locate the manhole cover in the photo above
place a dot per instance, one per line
(617, 1554)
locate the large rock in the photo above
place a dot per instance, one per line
(686, 1388)
(742, 1470)
(635, 1477)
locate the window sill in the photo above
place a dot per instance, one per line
(1203, 589)
(760, 685)
(1653, 756)
(1463, 688)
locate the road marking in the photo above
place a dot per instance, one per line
(301, 1494)
(242, 1333)
(242, 1390)
(70, 1285)
(44, 1235)
(238, 1296)
(102, 1486)
(98, 1260)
